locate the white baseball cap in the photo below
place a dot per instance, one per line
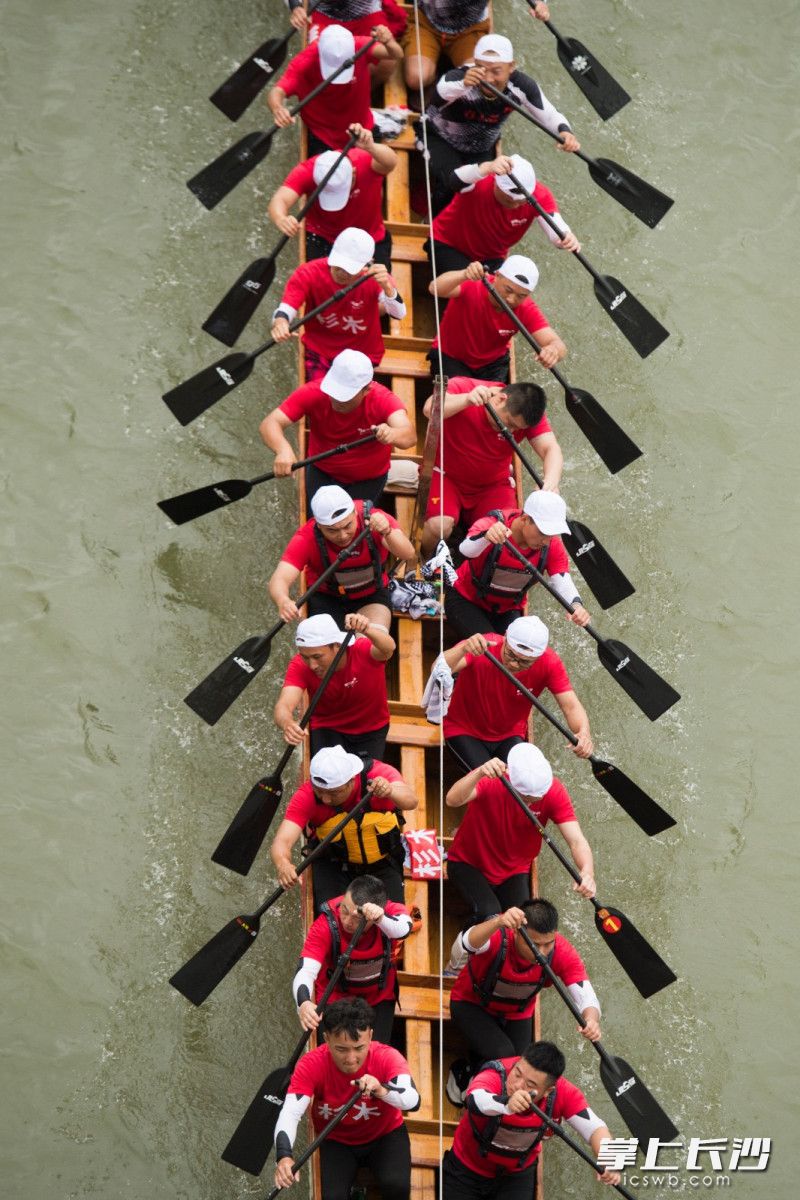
(495, 47)
(320, 630)
(548, 512)
(331, 504)
(528, 770)
(519, 269)
(336, 192)
(525, 174)
(352, 249)
(336, 45)
(528, 636)
(349, 372)
(332, 767)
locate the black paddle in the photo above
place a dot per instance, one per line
(220, 177)
(640, 807)
(555, 1127)
(190, 505)
(242, 839)
(190, 399)
(638, 1108)
(640, 198)
(239, 91)
(197, 978)
(602, 91)
(629, 315)
(645, 687)
(237, 306)
(214, 696)
(610, 441)
(251, 1140)
(607, 581)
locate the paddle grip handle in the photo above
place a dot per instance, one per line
(534, 820)
(520, 453)
(556, 1128)
(305, 462)
(535, 701)
(529, 117)
(556, 981)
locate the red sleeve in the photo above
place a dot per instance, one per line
(298, 403)
(393, 909)
(545, 198)
(297, 673)
(301, 549)
(533, 431)
(558, 805)
(566, 962)
(459, 385)
(557, 680)
(386, 772)
(308, 1073)
(529, 313)
(301, 178)
(318, 941)
(390, 1063)
(297, 286)
(557, 558)
(570, 1100)
(387, 401)
(489, 1081)
(301, 805)
(359, 41)
(362, 648)
(294, 78)
(395, 524)
(480, 526)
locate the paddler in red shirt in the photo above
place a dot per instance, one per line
(353, 196)
(498, 1139)
(359, 16)
(490, 858)
(494, 998)
(372, 1133)
(360, 584)
(368, 845)
(475, 332)
(491, 585)
(489, 215)
(343, 406)
(353, 711)
(371, 972)
(477, 473)
(486, 715)
(353, 322)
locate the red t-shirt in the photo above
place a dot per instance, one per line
(319, 946)
(565, 961)
(475, 332)
(303, 552)
(497, 838)
(486, 705)
(476, 455)
(363, 210)
(569, 1101)
(556, 563)
(352, 323)
(305, 810)
(329, 428)
(476, 224)
(338, 105)
(354, 700)
(317, 1075)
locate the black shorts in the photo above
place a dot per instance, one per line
(467, 617)
(339, 606)
(493, 372)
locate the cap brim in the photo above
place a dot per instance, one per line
(551, 528)
(343, 261)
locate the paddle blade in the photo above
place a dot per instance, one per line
(243, 838)
(648, 815)
(645, 969)
(240, 90)
(213, 183)
(596, 565)
(642, 199)
(639, 1109)
(644, 686)
(252, 1138)
(611, 442)
(190, 505)
(237, 306)
(189, 400)
(602, 91)
(631, 317)
(212, 698)
(197, 979)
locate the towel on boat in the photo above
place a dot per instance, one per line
(438, 690)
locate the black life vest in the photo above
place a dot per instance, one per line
(508, 580)
(365, 970)
(499, 1138)
(500, 990)
(360, 580)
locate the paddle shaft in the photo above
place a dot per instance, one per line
(312, 199)
(305, 462)
(515, 446)
(526, 333)
(315, 699)
(319, 1139)
(312, 95)
(339, 294)
(584, 1154)
(523, 112)
(546, 216)
(535, 701)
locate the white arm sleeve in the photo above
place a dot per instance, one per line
(468, 946)
(584, 995)
(469, 175)
(450, 88)
(397, 927)
(472, 547)
(487, 1103)
(558, 220)
(565, 587)
(306, 977)
(405, 1097)
(293, 1108)
(394, 308)
(285, 310)
(585, 1123)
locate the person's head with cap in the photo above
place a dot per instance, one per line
(525, 640)
(528, 770)
(351, 252)
(318, 638)
(495, 55)
(336, 192)
(348, 380)
(332, 771)
(335, 513)
(336, 44)
(515, 280)
(544, 516)
(506, 191)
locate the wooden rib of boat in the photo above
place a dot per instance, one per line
(422, 1028)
